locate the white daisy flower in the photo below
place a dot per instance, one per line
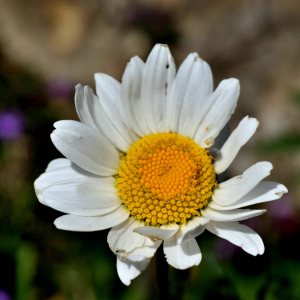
(140, 162)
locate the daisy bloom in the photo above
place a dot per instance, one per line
(145, 161)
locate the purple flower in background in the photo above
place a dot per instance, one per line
(253, 223)
(4, 295)
(61, 88)
(225, 249)
(12, 125)
(285, 216)
(283, 209)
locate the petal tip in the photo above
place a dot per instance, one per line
(163, 45)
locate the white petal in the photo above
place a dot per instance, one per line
(265, 191)
(128, 270)
(131, 96)
(220, 141)
(109, 92)
(58, 164)
(158, 77)
(237, 139)
(239, 235)
(80, 223)
(73, 190)
(182, 256)
(191, 229)
(108, 89)
(221, 104)
(122, 240)
(200, 85)
(147, 250)
(91, 112)
(86, 147)
(162, 233)
(192, 84)
(83, 107)
(231, 215)
(235, 188)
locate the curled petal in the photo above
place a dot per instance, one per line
(182, 256)
(237, 187)
(128, 269)
(239, 235)
(162, 233)
(237, 139)
(191, 229)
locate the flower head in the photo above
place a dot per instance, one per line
(145, 161)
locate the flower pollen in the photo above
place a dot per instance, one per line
(166, 178)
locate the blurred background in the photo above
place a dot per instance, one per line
(47, 47)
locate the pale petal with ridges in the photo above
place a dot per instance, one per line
(122, 240)
(86, 147)
(239, 235)
(72, 190)
(231, 215)
(89, 108)
(200, 85)
(191, 229)
(235, 188)
(148, 249)
(178, 89)
(131, 88)
(236, 140)
(265, 191)
(182, 256)
(83, 107)
(154, 233)
(128, 269)
(101, 222)
(52, 166)
(224, 101)
(58, 164)
(109, 93)
(192, 84)
(158, 77)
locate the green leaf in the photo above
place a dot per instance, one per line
(26, 262)
(288, 142)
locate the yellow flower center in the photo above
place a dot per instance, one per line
(166, 178)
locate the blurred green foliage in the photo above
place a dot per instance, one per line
(289, 141)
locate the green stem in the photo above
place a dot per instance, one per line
(162, 275)
(183, 278)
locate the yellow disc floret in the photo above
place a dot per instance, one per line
(166, 178)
